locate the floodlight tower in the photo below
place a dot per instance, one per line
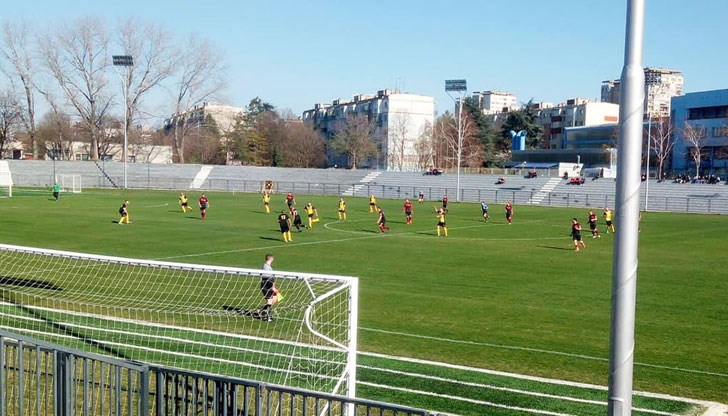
(460, 86)
(126, 61)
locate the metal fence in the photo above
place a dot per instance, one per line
(657, 201)
(40, 378)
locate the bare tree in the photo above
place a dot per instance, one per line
(199, 77)
(10, 115)
(56, 135)
(76, 56)
(447, 145)
(694, 136)
(661, 142)
(354, 139)
(304, 147)
(397, 138)
(150, 47)
(16, 47)
(425, 149)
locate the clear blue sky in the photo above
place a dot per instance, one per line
(297, 53)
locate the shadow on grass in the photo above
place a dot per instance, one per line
(271, 239)
(556, 248)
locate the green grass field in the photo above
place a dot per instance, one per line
(505, 298)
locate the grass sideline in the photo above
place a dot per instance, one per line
(511, 298)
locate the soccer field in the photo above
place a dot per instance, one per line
(443, 319)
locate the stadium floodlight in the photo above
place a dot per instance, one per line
(126, 61)
(624, 270)
(461, 86)
(188, 316)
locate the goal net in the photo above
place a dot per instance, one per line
(69, 183)
(194, 317)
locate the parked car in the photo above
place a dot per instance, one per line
(433, 171)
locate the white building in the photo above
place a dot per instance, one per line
(660, 86)
(706, 114)
(223, 115)
(396, 121)
(493, 102)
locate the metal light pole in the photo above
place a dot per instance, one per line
(126, 61)
(624, 265)
(459, 85)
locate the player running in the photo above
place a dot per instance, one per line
(203, 203)
(509, 212)
(576, 234)
(312, 213)
(441, 224)
(184, 202)
(266, 202)
(593, 225)
(342, 209)
(297, 219)
(373, 203)
(382, 220)
(408, 209)
(608, 219)
(290, 201)
(124, 212)
(484, 208)
(284, 222)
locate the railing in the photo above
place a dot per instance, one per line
(40, 378)
(714, 204)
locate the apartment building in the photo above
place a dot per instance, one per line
(660, 86)
(700, 120)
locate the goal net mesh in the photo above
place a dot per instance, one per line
(70, 183)
(185, 316)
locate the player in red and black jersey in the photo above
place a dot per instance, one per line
(576, 234)
(203, 203)
(509, 212)
(444, 204)
(593, 225)
(290, 201)
(408, 209)
(381, 220)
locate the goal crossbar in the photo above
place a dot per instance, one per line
(189, 316)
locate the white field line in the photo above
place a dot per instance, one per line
(533, 378)
(463, 399)
(539, 350)
(507, 389)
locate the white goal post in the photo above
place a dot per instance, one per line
(69, 183)
(6, 178)
(188, 316)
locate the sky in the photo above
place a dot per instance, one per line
(295, 54)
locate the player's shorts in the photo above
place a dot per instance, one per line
(577, 237)
(383, 222)
(289, 202)
(592, 226)
(408, 213)
(444, 204)
(266, 203)
(185, 204)
(203, 207)
(55, 194)
(372, 204)
(342, 210)
(509, 214)
(485, 212)
(266, 288)
(441, 224)
(297, 221)
(285, 228)
(609, 223)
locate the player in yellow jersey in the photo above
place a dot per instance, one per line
(266, 202)
(312, 213)
(372, 203)
(608, 214)
(184, 202)
(342, 209)
(124, 212)
(441, 225)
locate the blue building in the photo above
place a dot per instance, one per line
(704, 116)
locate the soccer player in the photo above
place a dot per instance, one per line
(421, 198)
(407, 209)
(284, 222)
(184, 202)
(296, 219)
(56, 191)
(342, 209)
(312, 213)
(593, 225)
(441, 224)
(444, 204)
(509, 212)
(608, 219)
(484, 208)
(576, 234)
(124, 212)
(373, 203)
(290, 201)
(268, 289)
(266, 202)
(203, 203)
(382, 220)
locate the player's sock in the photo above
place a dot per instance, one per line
(289, 236)
(438, 232)
(445, 229)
